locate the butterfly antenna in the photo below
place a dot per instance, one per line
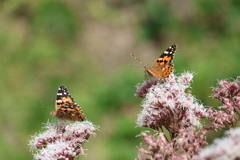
(138, 61)
(43, 107)
(130, 65)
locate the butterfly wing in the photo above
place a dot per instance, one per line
(71, 112)
(66, 107)
(63, 97)
(166, 57)
(163, 67)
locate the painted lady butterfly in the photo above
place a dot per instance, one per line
(163, 67)
(66, 108)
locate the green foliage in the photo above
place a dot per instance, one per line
(117, 92)
(125, 135)
(156, 19)
(55, 19)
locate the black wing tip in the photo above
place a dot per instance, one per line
(174, 46)
(63, 89)
(63, 86)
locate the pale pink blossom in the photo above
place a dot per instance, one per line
(229, 94)
(168, 105)
(62, 140)
(185, 145)
(226, 148)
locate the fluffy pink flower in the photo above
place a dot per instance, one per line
(225, 148)
(142, 89)
(62, 140)
(168, 105)
(184, 146)
(229, 94)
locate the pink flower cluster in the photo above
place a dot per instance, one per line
(226, 148)
(62, 140)
(229, 94)
(184, 146)
(166, 104)
(171, 110)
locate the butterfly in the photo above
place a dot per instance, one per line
(164, 66)
(66, 108)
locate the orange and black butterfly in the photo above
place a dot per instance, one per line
(164, 66)
(66, 108)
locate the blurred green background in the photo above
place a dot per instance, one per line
(86, 46)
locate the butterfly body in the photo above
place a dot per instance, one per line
(66, 108)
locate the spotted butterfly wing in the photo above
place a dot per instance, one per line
(164, 66)
(66, 108)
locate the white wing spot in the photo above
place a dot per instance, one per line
(59, 101)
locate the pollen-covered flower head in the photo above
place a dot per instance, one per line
(167, 104)
(62, 140)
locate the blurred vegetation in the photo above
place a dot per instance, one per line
(85, 45)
